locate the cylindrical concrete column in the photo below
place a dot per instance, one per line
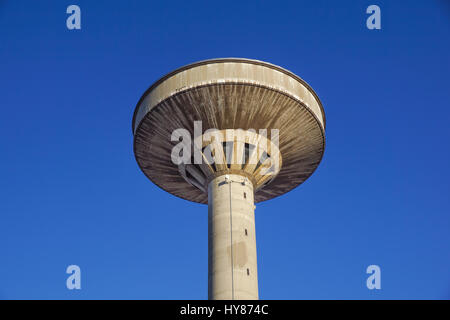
(232, 268)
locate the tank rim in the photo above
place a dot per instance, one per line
(219, 60)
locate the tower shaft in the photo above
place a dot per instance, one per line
(232, 267)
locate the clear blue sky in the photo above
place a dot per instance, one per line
(72, 193)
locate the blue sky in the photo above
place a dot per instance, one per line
(72, 193)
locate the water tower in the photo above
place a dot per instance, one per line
(255, 131)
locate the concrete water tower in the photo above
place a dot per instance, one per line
(256, 131)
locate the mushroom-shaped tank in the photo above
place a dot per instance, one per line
(229, 94)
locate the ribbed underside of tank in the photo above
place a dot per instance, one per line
(230, 106)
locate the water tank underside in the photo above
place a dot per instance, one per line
(230, 105)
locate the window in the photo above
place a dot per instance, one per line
(245, 195)
(246, 233)
(248, 272)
